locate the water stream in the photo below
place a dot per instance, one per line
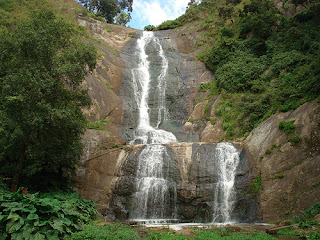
(155, 197)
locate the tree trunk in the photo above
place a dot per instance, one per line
(16, 177)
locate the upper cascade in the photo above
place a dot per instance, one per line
(141, 78)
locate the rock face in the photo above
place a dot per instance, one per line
(290, 173)
(96, 175)
(104, 83)
(194, 170)
(183, 79)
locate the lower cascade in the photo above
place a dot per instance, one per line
(228, 159)
(155, 196)
(160, 193)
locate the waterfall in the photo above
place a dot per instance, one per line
(155, 195)
(145, 133)
(228, 158)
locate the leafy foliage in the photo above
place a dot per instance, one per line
(42, 66)
(98, 125)
(255, 187)
(46, 216)
(170, 24)
(123, 18)
(306, 224)
(263, 61)
(287, 126)
(149, 28)
(295, 139)
(109, 9)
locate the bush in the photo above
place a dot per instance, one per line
(204, 87)
(98, 125)
(313, 210)
(35, 216)
(171, 24)
(278, 176)
(239, 73)
(295, 139)
(255, 186)
(287, 126)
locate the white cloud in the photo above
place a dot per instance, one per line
(155, 12)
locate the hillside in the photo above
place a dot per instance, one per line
(242, 71)
(265, 58)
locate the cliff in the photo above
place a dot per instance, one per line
(289, 171)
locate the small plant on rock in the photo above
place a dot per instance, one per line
(287, 126)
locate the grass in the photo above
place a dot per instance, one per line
(97, 125)
(121, 231)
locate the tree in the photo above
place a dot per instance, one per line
(109, 9)
(42, 67)
(123, 18)
(149, 28)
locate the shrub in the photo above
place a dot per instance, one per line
(287, 126)
(35, 216)
(204, 87)
(97, 125)
(170, 24)
(255, 186)
(313, 210)
(295, 139)
(207, 108)
(278, 176)
(213, 121)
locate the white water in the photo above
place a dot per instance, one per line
(155, 196)
(228, 157)
(145, 133)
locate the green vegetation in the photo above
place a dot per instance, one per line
(305, 226)
(213, 121)
(97, 125)
(42, 216)
(15, 12)
(149, 28)
(43, 62)
(255, 186)
(287, 126)
(110, 9)
(263, 61)
(278, 176)
(111, 231)
(171, 24)
(123, 18)
(204, 87)
(295, 139)
(223, 234)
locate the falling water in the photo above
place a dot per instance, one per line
(155, 196)
(228, 159)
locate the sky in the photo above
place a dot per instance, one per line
(155, 12)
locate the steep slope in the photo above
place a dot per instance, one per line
(284, 174)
